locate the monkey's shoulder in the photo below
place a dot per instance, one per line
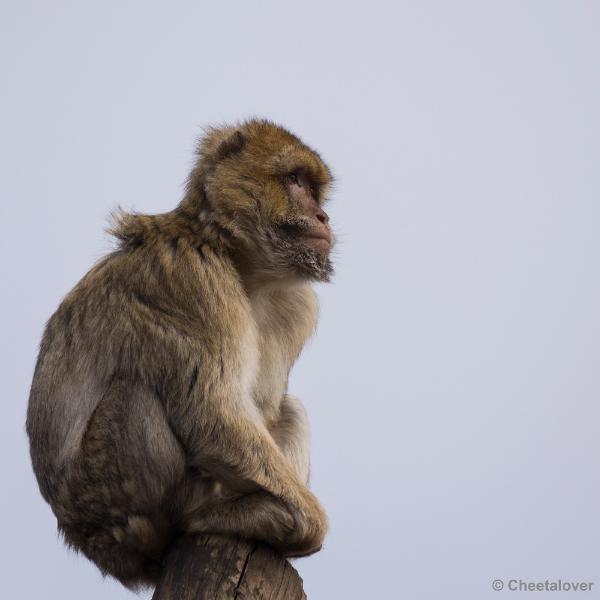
(159, 307)
(134, 299)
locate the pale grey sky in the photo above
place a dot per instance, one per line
(453, 385)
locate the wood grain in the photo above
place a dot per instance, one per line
(217, 567)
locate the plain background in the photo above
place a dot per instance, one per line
(453, 385)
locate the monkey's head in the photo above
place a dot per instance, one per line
(265, 188)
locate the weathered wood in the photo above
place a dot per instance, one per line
(212, 567)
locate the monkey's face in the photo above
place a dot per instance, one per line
(270, 188)
(300, 236)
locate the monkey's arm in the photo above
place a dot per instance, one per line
(292, 435)
(231, 443)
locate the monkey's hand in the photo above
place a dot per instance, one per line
(261, 516)
(258, 516)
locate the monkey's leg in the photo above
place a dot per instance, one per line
(291, 433)
(121, 484)
(232, 444)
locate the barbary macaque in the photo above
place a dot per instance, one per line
(159, 402)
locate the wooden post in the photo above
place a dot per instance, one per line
(213, 567)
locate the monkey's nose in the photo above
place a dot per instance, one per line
(322, 217)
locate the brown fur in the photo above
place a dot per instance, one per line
(159, 402)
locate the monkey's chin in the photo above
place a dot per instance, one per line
(313, 264)
(303, 257)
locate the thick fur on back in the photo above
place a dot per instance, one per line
(145, 335)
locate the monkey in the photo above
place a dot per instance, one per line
(159, 404)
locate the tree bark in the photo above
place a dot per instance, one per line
(213, 567)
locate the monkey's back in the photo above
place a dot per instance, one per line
(102, 449)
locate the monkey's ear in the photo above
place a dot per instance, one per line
(232, 145)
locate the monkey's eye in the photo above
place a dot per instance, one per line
(293, 178)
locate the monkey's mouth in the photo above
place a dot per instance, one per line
(300, 230)
(318, 236)
(317, 240)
